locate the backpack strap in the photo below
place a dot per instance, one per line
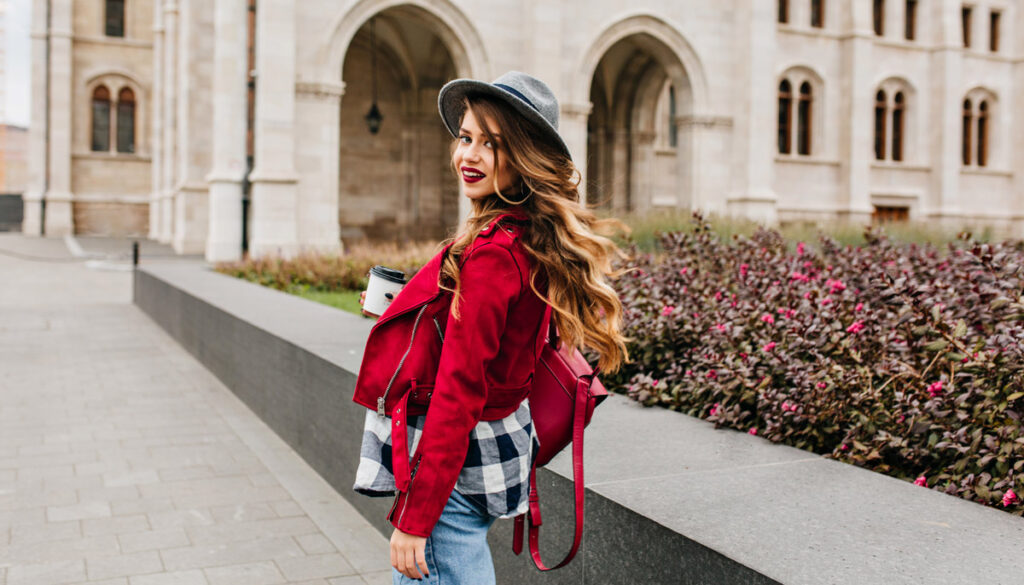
(533, 515)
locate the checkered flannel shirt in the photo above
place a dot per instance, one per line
(496, 474)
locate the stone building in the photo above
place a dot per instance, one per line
(778, 110)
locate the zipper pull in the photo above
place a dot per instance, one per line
(380, 406)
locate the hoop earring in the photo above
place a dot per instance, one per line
(524, 189)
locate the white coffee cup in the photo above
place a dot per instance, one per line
(382, 289)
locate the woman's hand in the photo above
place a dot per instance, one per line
(362, 298)
(407, 554)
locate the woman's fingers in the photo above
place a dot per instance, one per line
(362, 297)
(421, 558)
(410, 565)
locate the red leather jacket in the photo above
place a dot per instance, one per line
(482, 371)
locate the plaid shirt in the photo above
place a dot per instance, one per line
(496, 473)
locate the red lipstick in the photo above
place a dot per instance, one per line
(468, 178)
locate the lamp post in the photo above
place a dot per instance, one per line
(374, 117)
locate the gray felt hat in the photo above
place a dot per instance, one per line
(528, 95)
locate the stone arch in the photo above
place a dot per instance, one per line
(456, 30)
(671, 48)
(628, 69)
(394, 183)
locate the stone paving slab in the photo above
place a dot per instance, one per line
(123, 461)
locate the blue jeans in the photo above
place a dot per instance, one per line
(456, 550)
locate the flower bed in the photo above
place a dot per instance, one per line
(906, 360)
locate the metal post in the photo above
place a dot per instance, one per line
(135, 253)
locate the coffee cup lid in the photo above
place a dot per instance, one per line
(389, 274)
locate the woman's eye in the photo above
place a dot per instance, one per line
(464, 139)
(488, 144)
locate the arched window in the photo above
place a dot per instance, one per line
(785, 116)
(803, 136)
(966, 132)
(879, 17)
(818, 13)
(880, 114)
(126, 121)
(897, 126)
(983, 134)
(115, 18)
(101, 119)
(910, 23)
(783, 11)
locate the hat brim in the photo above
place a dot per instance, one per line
(450, 103)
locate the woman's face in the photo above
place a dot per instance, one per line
(474, 159)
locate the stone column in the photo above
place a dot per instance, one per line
(947, 93)
(58, 193)
(32, 218)
(856, 126)
(318, 123)
(572, 125)
(196, 41)
(224, 239)
(169, 106)
(752, 195)
(641, 170)
(617, 181)
(1017, 140)
(274, 180)
(157, 139)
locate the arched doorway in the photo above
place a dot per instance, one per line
(639, 143)
(396, 184)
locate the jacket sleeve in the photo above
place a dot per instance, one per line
(491, 281)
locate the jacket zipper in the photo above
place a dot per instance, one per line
(383, 398)
(438, 325)
(412, 476)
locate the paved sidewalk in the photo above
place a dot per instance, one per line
(124, 462)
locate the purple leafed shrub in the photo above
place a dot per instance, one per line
(906, 360)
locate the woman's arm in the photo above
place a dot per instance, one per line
(490, 282)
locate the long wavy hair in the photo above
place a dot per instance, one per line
(569, 243)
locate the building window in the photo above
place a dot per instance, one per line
(803, 138)
(897, 126)
(910, 24)
(965, 24)
(879, 17)
(993, 32)
(785, 116)
(673, 130)
(126, 121)
(115, 18)
(880, 114)
(889, 214)
(101, 119)
(818, 13)
(783, 11)
(983, 134)
(965, 134)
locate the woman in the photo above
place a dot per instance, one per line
(462, 335)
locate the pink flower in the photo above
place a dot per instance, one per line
(712, 374)
(720, 326)
(768, 319)
(800, 276)
(800, 248)
(696, 315)
(770, 346)
(808, 265)
(689, 372)
(901, 418)
(822, 385)
(787, 407)
(807, 295)
(1010, 498)
(835, 286)
(921, 481)
(790, 313)
(856, 327)
(683, 270)
(935, 389)
(743, 355)
(858, 308)
(743, 269)
(718, 295)
(684, 289)
(667, 310)
(714, 409)
(844, 447)
(826, 301)
(752, 431)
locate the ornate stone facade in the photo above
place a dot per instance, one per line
(778, 110)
